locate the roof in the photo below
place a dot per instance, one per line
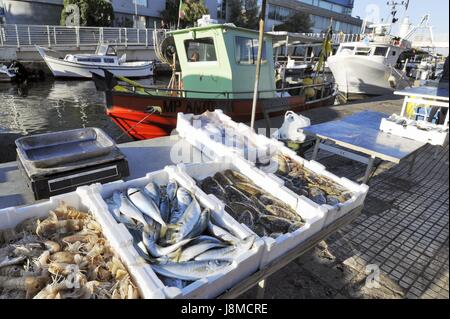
(225, 26)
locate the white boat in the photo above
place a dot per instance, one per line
(6, 74)
(105, 58)
(369, 67)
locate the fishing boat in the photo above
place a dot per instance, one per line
(84, 65)
(214, 68)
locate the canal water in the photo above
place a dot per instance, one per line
(54, 105)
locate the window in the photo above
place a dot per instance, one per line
(247, 50)
(95, 60)
(108, 60)
(279, 13)
(363, 51)
(381, 51)
(142, 3)
(200, 50)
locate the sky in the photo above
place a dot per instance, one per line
(438, 9)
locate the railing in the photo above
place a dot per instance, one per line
(337, 38)
(16, 35)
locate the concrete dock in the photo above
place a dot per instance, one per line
(397, 248)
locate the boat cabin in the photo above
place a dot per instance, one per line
(222, 58)
(105, 54)
(375, 51)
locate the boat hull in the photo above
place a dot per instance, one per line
(66, 69)
(359, 75)
(131, 111)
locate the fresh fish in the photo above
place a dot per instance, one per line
(187, 222)
(332, 200)
(284, 213)
(127, 208)
(222, 179)
(205, 239)
(229, 252)
(191, 270)
(201, 225)
(318, 196)
(193, 251)
(145, 204)
(157, 251)
(171, 189)
(184, 199)
(164, 208)
(174, 282)
(246, 218)
(211, 186)
(274, 224)
(152, 190)
(221, 233)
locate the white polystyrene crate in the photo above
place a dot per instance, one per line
(81, 199)
(414, 133)
(359, 191)
(244, 265)
(312, 214)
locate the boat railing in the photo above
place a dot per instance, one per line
(281, 92)
(18, 35)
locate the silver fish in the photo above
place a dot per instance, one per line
(191, 270)
(221, 233)
(193, 251)
(187, 223)
(158, 251)
(173, 282)
(184, 199)
(127, 208)
(201, 225)
(152, 190)
(10, 261)
(228, 252)
(171, 189)
(146, 205)
(205, 239)
(164, 208)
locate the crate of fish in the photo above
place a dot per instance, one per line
(310, 181)
(421, 131)
(306, 180)
(57, 249)
(189, 246)
(216, 135)
(263, 207)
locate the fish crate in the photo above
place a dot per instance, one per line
(243, 266)
(269, 147)
(257, 147)
(80, 200)
(438, 137)
(313, 215)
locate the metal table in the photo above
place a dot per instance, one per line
(428, 96)
(360, 133)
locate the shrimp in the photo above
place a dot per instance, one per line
(31, 285)
(66, 212)
(52, 290)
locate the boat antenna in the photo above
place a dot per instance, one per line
(261, 46)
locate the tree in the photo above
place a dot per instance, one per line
(192, 11)
(98, 13)
(298, 22)
(244, 13)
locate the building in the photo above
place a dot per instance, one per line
(321, 12)
(48, 12)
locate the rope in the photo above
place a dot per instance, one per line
(152, 111)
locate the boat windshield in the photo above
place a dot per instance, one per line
(381, 51)
(105, 50)
(365, 51)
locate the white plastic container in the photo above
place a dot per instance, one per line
(412, 132)
(313, 215)
(80, 199)
(244, 265)
(222, 153)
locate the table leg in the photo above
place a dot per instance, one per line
(316, 149)
(368, 170)
(261, 289)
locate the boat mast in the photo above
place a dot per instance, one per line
(258, 62)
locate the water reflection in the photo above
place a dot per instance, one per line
(41, 107)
